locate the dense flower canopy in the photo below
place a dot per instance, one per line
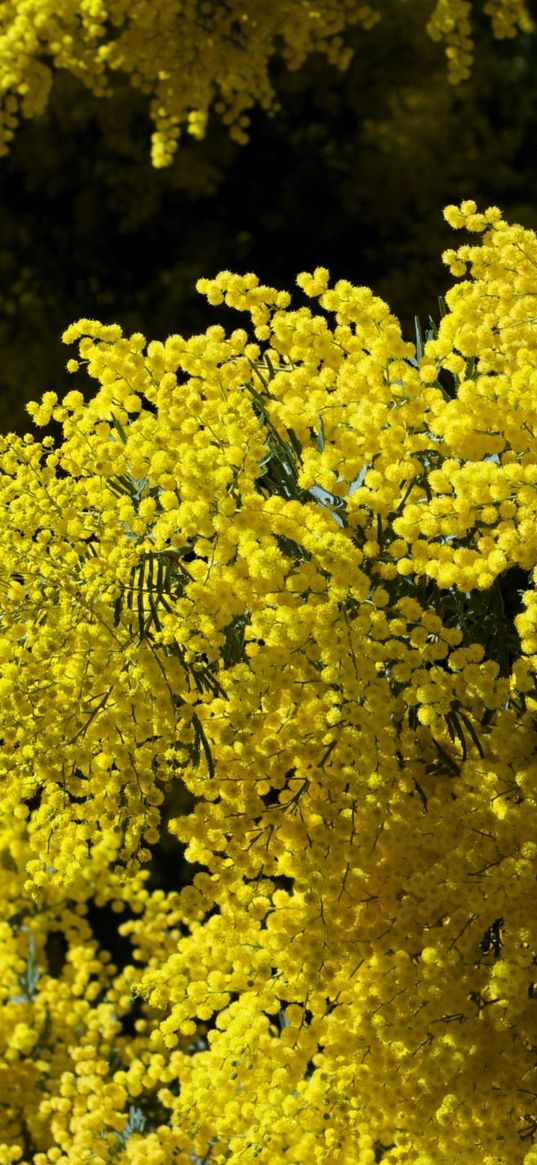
(261, 566)
(198, 55)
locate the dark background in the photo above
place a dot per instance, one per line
(352, 173)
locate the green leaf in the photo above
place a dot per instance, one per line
(119, 429)
(250, 387)
(151, 588)
(121, 485)
(450, 727)
(233, 649)
(292, 549)
(452, 719)
(421, 795)
(136, 1122)
(8, 862)
(295, 443)
(29, 978)
(445, 761)
(200, 737)
(269, 366)
(472, 732)
(432, 330)
(140, 599)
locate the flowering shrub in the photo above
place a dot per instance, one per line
(269, 566)
(202, 56)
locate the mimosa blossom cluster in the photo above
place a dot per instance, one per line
(199, 58)
(247, 569)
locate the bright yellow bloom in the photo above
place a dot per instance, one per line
(249, 591)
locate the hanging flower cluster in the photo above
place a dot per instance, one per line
(189, 58)
(199, 56)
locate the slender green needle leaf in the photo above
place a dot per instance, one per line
(119, 429)
(406, 494)
(205, 744)
(130, 591)
(29, 978)
(421, 795)
(295, 442)
(140, 599)
(162, 565)
(120, 486)
(473, 733)
(453, 716)
(450, 727)
(445, 757)
(255, 368)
